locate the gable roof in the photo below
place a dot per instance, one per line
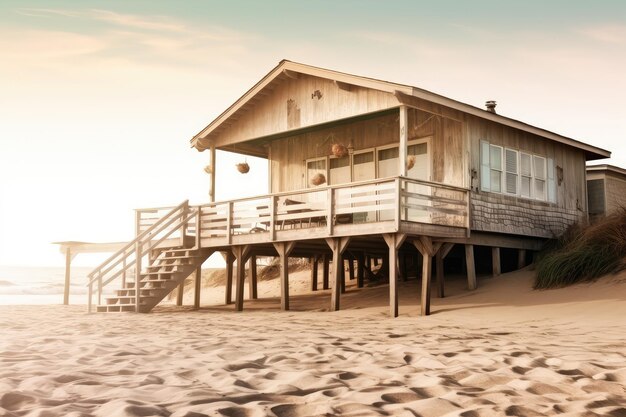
(606, 168)
(402, 93)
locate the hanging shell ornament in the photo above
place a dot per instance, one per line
(339, 150)
(243, 167)
(410, 161)
(318, 179)
(208, 169)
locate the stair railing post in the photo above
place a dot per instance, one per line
(330, 208)
(90, 295)
(272, 218)
(198, 227)
(183, 226)
(99, 289)
(229, 222)
(137, 275)
(124, 270)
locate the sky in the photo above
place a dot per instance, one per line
(98, 99)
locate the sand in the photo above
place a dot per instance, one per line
(500, 350)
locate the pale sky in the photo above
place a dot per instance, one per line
(98, 99)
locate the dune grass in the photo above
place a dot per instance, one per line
(584, 253)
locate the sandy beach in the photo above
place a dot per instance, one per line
(503, 349)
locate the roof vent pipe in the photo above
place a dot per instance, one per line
(491, 106)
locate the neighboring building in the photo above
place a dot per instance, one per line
(606, 190)
(363, 168)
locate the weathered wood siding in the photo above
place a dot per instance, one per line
(288, 155)
(615, 187)
(495, 212)
(293, 104)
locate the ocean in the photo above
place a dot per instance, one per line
(41, 285)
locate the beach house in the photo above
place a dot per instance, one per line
(359, 169)
(606, 189)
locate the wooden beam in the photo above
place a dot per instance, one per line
(291, 74)
(284, 249)
(197, 287)
(252, 284)
(495, 261)
(241, 253)
(343, 86)
(471, 269)
(426, 247)
(404, 134)
(325, 272)
(351, 267)
(213, 171)
(360, 270)
(180, 293)
(521, 258)
(439, 257)
(314, 264)
(394, 241)
(230, 259)
(338, 245)
(68, 268)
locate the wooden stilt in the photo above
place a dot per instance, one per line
(403, 270)
(252, 284)
(284, 249)
(351, 267)
(68, 266)
(394, 241)
(342, 272)
(241, 254)
(180, 293)
(495, 261)
(325, 272)
(197, 287)
(338, 246)
(230, 259)
(521, 258)
(471, 269)
(439, 257)
(360, 270)
(375, 261)
(428, 249)
(314, 262)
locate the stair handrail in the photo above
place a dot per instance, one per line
(96, 274)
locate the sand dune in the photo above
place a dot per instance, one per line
(501, 350)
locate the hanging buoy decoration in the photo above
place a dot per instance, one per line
(208, 169)
(318, 179)
(339, 150)
(410, 161)
(243, 167)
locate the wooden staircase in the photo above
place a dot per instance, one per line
(171, 246)
(164, 274)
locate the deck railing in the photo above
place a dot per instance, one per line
(391, 200)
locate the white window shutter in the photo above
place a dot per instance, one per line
(485, 183)
(511, 168)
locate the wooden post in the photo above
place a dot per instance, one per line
(394, 241)
(314, 262)
(342, 273)
(252, 282)
(138, 251)
(198, 286)
(471, 269)
(325, 272)
(428, 249)
(495, 261)
(402, 151)
(213, 171)
(403, 269)
(241, 254)
(180, 293)
(351, 267)
(439, 257)
(338, 246)
(68, 265)
(230, 259)
(284, 249)
(360, 270)
(521, 258)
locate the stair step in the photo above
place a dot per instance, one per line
(144, 292)
(126, 300)
(112, 308)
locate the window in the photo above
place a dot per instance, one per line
(339, 170)
(508, 171)
(314, 167)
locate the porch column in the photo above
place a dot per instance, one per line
(404, 133)
(495, 261)
(284, 249)
(428, 249)
(197, 287)
(213, 171)
(471, 269)
(338, 245)
(241, 252)
(394, 241)
(230, 259)
(439, 257)
(252, 282)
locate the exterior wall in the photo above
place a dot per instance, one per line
(293, 104)
(596, 198)
(495, 212)
(288, 155)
